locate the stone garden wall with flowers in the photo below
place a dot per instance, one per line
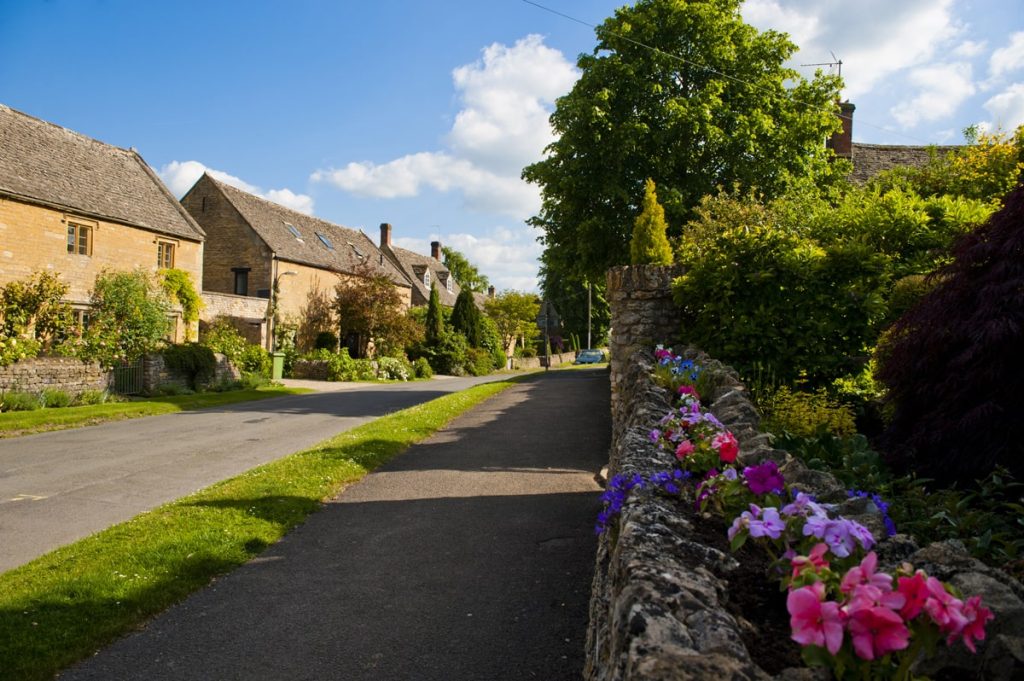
(660, 606)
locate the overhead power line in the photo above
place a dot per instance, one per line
(806, 105)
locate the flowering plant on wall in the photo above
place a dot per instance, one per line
(848, 616)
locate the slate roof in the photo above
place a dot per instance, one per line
(351, 248)
(49, 165)
(413, 265)
(871, 159)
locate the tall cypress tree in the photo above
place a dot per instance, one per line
(435, 320)
(466, 317)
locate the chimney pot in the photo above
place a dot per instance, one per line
(490, 291)
(385, 234)
(435, 250)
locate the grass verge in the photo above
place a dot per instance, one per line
(65, 605)
(15, 423)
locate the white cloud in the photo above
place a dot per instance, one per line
(507, 256)
(179, 176)
(970, 48)
(1007, 108)
(503, 125)
(941, 88)
(1008, 59)
(874, 38)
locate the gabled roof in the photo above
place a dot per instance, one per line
(49, 165)
(319, 243)
(414, 265)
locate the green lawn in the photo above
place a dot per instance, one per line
(14, 423)
(65, 605)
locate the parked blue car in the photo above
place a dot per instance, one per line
(589, 357)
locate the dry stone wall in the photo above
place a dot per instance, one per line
(657, 608)
(71, 375)
(156, 375)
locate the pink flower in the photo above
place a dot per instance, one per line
(944, 609)
(976, 615)
(688, 390)
(815, 622)
(684, 449)
(726, 445)
(876, 631)
(815, 560)
(865, 574)
(915, 590)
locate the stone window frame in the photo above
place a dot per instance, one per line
(426, 277)
(76, 229)
(166, 250)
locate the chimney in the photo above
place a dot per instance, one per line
(490, 291)
(435, 250)
(385, 234)
(842, 142)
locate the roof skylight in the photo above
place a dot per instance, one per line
(325, 241)
(295, 232)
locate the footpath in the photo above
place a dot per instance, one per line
(469, 556)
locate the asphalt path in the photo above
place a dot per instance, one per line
(56, 488)
(468, 557)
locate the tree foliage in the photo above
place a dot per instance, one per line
(953, 364)
(466, 318)
(129, 317)
(465, 273)
(369, 305)
(435, 318)
(34, 309)
(515, 315)
(711, 105)
(178, 286)
(649, 245)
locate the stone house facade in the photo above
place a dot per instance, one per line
(254, 243)
(76, 206)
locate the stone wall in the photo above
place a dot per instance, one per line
(156, 375)
(71, 375)
(659, 602)
(247, 314)
(538, 362)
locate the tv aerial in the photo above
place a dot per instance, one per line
(836, 61)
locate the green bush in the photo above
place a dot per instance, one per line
(192, 361)
(326, 340)
(53, 398)
(252, 381)
(254, 359)
(394, 369)
(15, 349)
(129, 317)
(449, 355)
(19, 401)
(171, 390)
(224, 338)
(805, 414)
(479, 362)
(421, 367)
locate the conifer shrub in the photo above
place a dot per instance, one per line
(953, 364)
(649, 245)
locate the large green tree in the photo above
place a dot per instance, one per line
(466, 317)
(515, 315)
(688, 94)
(465, 272)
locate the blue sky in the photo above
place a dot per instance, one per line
(422, 113)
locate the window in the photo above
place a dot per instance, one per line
(325, 241)
(449, 282)
(79, 238)
(426, 277)
(294, 231)
(355, 249)
(82, 318)
(241, 280)
(164, 255)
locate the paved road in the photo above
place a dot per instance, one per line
(59, 487)
(469, 557)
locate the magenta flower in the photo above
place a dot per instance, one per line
(684, 449)
(688, 390)
(976, 615)
(814, 621)
(944, 609)
(764, 478)
(876, 631)
(865, 574)
(815, 560)
(915, 591)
